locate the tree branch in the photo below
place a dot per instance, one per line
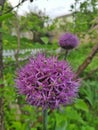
(8, 11)
(2, 127)
(87, 61)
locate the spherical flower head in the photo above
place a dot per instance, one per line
(47, 82)
(68, 41)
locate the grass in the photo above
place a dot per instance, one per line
(10, 42)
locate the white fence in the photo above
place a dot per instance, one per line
(10, 54)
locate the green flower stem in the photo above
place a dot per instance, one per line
(66, 53)
(45, 120)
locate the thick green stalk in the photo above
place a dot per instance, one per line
(66, 54)
(45, 120)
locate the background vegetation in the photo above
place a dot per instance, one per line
(18, 115)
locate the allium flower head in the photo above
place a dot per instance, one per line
(47, 82)
(68, 41)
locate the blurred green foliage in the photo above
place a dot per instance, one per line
(83, 114)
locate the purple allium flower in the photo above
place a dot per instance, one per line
(47, 82)
(68, 41)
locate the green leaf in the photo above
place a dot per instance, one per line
(87, 128)
(63, 126)
(5, 16)
(72, 114)
(1, 81)
(90, 92)
(80, 104)
(2, 30)
(45, 40)
(19, 126)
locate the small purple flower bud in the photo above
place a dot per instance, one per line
(68, 41)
